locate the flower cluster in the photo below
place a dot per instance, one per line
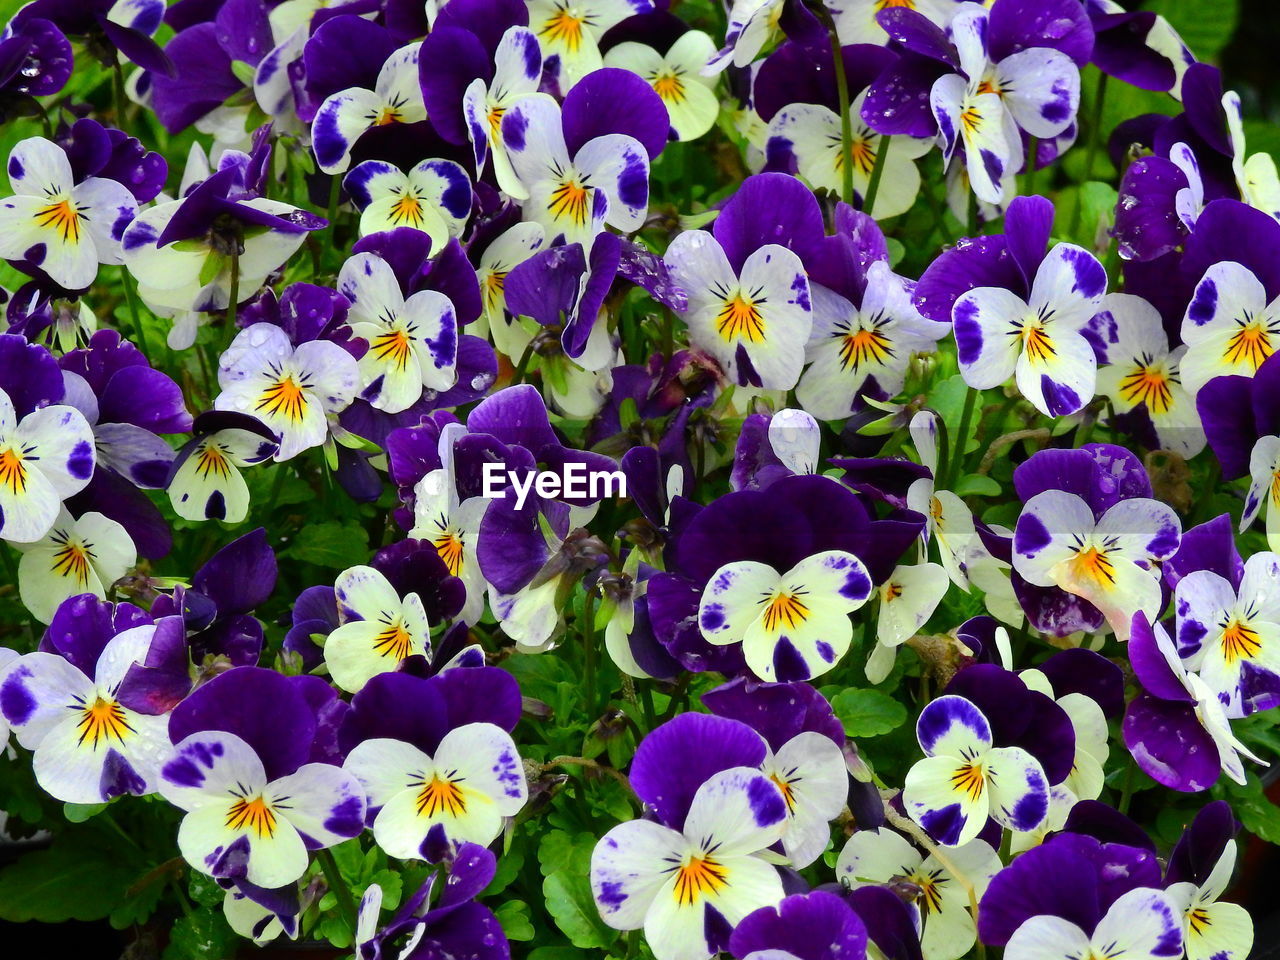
(636, 479)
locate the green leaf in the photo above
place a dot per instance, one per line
(974, 484)
(244, 72)
(80, 812)
(868, 713)
(571, 905)
(201, 935)
(514, 917)
(63, 883)
(331, 544)
(896, 251)
(1257, 814)
(1206, 26)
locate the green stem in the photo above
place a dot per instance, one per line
(589, 647)
(120, 99)
(335, 195)
(842, 93)
(873, 185)
(957, 450)
(131, 297)
(233, 298)
(1033, 148)
(522, 366)
(333, 877)
(1126, 789)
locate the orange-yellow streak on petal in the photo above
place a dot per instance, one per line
(700, 876)
(969, 779)
(1250, 345)
(63, 216)
(740, 318)
(392, 347)
(283, 398)
(102, 720)
(785, 607)
(570, 201)
(441, 796)
(864, 346)
(1150, 386)
(1240, 642)
(255, 815)
(394, 642)
(13, 473)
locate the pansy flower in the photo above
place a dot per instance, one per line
(291, 390)
(378, 628)
(35, 58)
(989, 103)
(46, 456)
(78, 555)
(751, 23)
(811, 133)
(86, 713)
(792, 625)
(434, 197)
(1230, 327)
(688, 888)
(1142, 923)
(810, 926)
(1255, 175)
(1200, 868)
(205, 481)
(857, 21)
(883, 856)
(569, 33)
(676, 77)
(1140, 375)
(865, 347)
(1109, 561)
(754, 320)
(575, 173)
(810, 771)
(1177, 730)
(63, 228)
(242, 824)
(1038, 340)
(346, 116)
(495, 262)
(1230, 634)
(907, 599)
(949, 523)
(470, 783)
(413, 342)
(125, 26)
(452, 526)
(964, 779)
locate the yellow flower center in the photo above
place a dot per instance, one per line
(1148, 385)
(284, 398)
(211, 460)
(864, 346)
(969, 779)
(13, 473)
(71, 560)
(1250, 345)
(1036, 343)
(408, 209)
(699, 876)
(449, 547)
(63, 216)
(740, 318)
(392, 347)
(564, 27)
(394, 642)
(255, 815)
(1094, 564)
(669, 86)
(441, 796)
(785, 609)
(570, 201)
(1240, 642)
(102, 720)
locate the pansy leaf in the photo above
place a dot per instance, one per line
(64, 882)
(331, 544)
(514, 917)
(868, 713)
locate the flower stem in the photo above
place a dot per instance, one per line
(333, 877)
(233, 297)
(589, 648)
(842, 93)
(873, 185)
(957, 449)
(131, 297)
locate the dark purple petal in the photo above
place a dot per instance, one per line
(897, 101)
(672, 604)
(1149, 664)
(769, 208)
(815, 926)
(1062, 25)
(1169, 744)
(449, 60)
(205, 81)
(890, 923)
(679, 756)
(1078, 670)
(1208, 546)
(82, 625)
(29, 374)
(1201, 844)
(1230, 230)
(263, 708)
(1224, 407)
(972, 262)
(776, 711)
(157, 683)
(1027, 225)
(612, 100)
(398, 706)
(241, 575)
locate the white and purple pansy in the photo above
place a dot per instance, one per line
(687, 889)
(1264, 488)
(1230, 328)
(62, 227)
(857, 22)
(964, 779)
(205, 481)
(1255, 175)
(291, 390)
(1037, 341)
(345, 116)
(517, 72)
(1111, 561)
(1213, 929)
(569, 33)
(811, 133)
(510, 336)
(46, 456)
(453, 528)
(676, 77)
(434, 197)
(78, 555)
(378, 628)
(604, 182)
(751, 24)
(907, 600)
(754, 321)
(471, 783)
(1090, 725)
(881, 856)
(987, 106)
(948, 520)
(792, 625)
(90, 741)
(853, 348)
(1142, 924)
(242, 826)
(1139, 371)
(413, 342)
(810, 771)
(1231, 636)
